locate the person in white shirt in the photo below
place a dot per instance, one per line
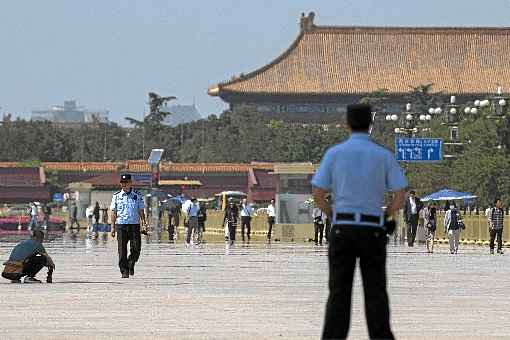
(89, 212)
(246, 215)
(192, 217)
(271, 217)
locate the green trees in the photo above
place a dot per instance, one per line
(481, 167)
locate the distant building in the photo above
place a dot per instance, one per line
(328, 67)
(181, 114)
(70, 113)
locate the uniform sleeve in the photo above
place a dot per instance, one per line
(322, 178)
(395, 179)
(141, 203)
(113, 206)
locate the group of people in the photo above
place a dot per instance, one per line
(349, 187)
(452, 222)
(33, 213)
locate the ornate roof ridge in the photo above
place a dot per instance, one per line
(409, 29)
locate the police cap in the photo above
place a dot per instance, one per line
(125, 178)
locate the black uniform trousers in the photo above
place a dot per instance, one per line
(412, 225)
(128, 233)
(496, 234)
(346, 244)
(245, 222)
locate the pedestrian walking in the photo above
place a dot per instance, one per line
(358, 173)
(496, 222)
(202, 217)
(96, 211)
(429, 218)
(32, 212)
(46, 209)
(453, 226)
(73, 214)
(412, 210)
(318, 224)
(192, 220)
(27, 258)
(230, 220)
(247, 212)
(127, 212)
(89, 212)
(327, 227)
(271, 218)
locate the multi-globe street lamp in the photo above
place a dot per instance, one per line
(410, 122)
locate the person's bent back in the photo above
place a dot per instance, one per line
(27, 258)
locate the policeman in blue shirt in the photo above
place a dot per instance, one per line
(357, 173)
(127, 212)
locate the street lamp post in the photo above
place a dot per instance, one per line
(410, 122)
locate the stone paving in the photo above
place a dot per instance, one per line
(256, 291)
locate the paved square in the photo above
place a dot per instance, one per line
(259, 291)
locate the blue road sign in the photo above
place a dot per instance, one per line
(418, 149)
(58, 197)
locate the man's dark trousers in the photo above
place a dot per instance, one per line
(412, 225)
(348, 242)
(319, 232)
(128, 233)
(246, 222)
(496, 233)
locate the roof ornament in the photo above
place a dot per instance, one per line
(306, 22)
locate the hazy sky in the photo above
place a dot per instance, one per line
(107, 54)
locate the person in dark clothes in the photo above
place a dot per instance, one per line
(412, 208)
(27, 258)
(74, 216)
(230, 218)
(95, 213)
(202, 217)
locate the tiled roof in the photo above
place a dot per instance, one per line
(212, 167)
(295, 168)
(137, 166)
(327, 60)
(83, 166)
(179, 182)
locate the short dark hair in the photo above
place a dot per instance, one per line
(496, 200)
(38, 234)
(359, 116)
(412, 192)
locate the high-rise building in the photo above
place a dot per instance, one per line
(70, 113)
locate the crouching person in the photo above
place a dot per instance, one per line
(27, 258)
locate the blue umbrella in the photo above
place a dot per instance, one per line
(448, 195)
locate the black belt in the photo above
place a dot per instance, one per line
(363, 218)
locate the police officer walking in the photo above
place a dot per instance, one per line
(127, 212)
(357, 173)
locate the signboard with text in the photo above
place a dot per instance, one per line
(418, 149)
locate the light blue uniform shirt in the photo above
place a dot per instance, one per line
(358, 172)
(127, 205)
(193, 209)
